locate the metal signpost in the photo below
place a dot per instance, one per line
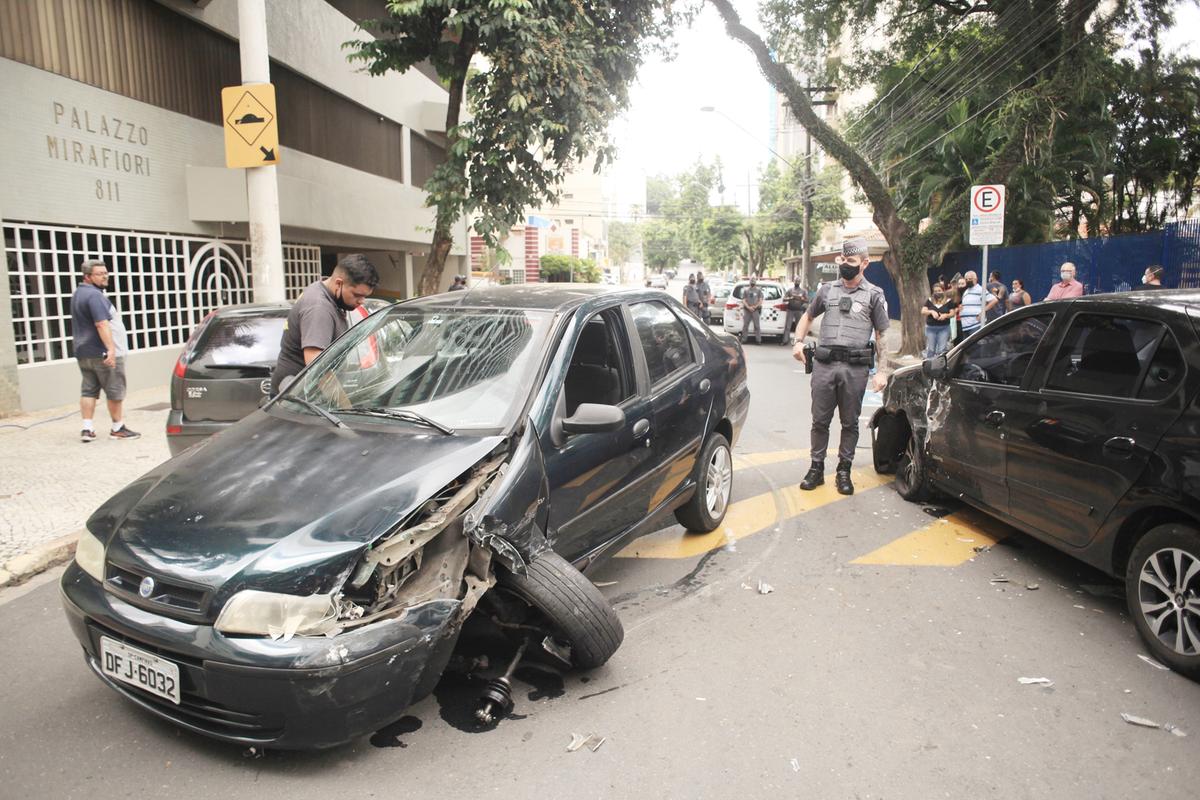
(987, 219)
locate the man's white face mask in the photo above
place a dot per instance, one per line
(1066, 276)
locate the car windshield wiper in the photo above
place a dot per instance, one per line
(311, 406)
(400, 413)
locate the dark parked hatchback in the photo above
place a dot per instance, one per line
(224, 372)
(1077, 422)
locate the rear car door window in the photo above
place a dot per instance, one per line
(1115, 356)
(1003, 356)
(664, 339)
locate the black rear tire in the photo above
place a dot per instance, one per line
(912, 471)
(577, 612)
(1154, 565)
(706, 510)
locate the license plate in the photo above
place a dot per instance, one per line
(139, 668)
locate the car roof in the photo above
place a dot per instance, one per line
(534, 296)
(1175, 299)
(254, 310)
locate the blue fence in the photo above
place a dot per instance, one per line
(1103, 264)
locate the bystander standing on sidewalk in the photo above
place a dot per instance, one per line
(997, 289)
(938, 311)
(975, 301)
(1067, 287)
(100, 346)
(1152, 278)
(1018, 296)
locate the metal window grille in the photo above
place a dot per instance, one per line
(162, 284)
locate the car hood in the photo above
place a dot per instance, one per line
(280, 502)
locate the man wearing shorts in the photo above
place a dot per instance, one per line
(100, 346)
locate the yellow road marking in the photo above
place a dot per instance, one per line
(744, 460)
(744, 518)
(946, 542)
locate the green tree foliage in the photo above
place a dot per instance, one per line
(623, 240)
(1033, 73)
(564, 269)
(554, 75)
(662, 247)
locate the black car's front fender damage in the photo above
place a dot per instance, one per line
(510, 518)
(445, 550)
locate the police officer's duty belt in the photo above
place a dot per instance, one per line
(854, 356)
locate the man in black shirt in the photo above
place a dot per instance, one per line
(319, 315)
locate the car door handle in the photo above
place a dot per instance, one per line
(1120, 446)
(641, 428)
(705, 385)
(994, 418)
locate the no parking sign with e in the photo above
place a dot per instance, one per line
(987, 214)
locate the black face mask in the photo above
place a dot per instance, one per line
(342, 304)
(848, 272)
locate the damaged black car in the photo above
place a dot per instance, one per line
(1077, 422)
(302, 577)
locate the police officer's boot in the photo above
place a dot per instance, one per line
(842, 478)
(815, 476)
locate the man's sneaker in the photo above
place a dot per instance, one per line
(86, 436)
(124, 433)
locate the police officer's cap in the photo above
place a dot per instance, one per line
(854, 247)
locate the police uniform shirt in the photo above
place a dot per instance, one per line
(797, 294)
(689, 294)
(752, 296)
(868, 313)
(702, 291)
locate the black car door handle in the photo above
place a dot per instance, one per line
(641, 428)
(1120, 446)
(705, 385)
(994, 418)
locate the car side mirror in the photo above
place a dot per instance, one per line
(594, 418)
(936, 367)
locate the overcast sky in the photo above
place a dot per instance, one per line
(664, 130)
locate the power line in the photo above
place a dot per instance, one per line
(877, 142)
(989, 105)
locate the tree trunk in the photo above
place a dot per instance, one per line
(443, 230)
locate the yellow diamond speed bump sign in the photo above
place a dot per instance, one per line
(251, 125)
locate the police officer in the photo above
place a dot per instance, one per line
(690, 298)
(797, 303)
(704, 291)
(853, 308)
(752, 300)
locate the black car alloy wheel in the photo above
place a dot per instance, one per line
(1163, 590)
(912, 475)
(714, 484)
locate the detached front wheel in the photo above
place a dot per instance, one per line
(1162, 589)
(574, 609)
(714, 485)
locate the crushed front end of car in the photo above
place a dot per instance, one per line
(310, 640)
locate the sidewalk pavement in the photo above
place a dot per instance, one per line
(50, 482)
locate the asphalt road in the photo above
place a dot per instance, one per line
(884, 662)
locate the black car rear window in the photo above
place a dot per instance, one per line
(239, 341)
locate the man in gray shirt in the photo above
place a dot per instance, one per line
(319, 315)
